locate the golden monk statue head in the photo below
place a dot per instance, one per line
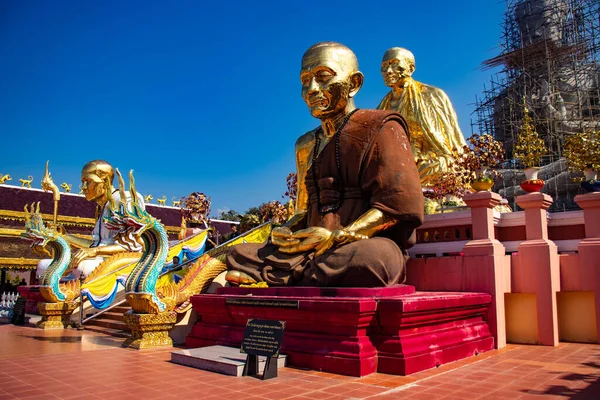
(95, 175)
(397, 65)
(330, 79)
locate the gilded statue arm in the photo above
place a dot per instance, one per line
(91, 252)
(366, 226)
(77, 242)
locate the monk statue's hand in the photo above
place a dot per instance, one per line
(304, 240)
(83, 254)
(281, 236)
(339, 237)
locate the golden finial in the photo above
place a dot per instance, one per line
(132, 188)
(111, 200)
(122, 195)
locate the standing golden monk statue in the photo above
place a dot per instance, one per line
(435, 135)
(359, 196)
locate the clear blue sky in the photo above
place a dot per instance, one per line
(205, 96)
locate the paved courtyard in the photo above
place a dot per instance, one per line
(84, 365)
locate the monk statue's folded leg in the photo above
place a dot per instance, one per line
(374, 262)
(264, 263)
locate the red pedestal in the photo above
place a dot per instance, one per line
(353, 331)
(428, 329)
(33, 296)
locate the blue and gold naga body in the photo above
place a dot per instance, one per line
(43, 237)
(135, 225)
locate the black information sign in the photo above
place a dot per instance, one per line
(262, 337)
(18, 317)
(250, 302)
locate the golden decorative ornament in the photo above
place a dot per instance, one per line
(582, 151)
(529, 147)
(482, 185)
(26, 182)
(4, 178)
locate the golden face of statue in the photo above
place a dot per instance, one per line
(397, 65)
(329, 78)
(93, 177)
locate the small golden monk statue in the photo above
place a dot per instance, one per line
(359, 195)
(435, 135)
(96, 176)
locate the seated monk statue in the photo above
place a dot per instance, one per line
(359, 195)
(96, 176)
(435, 135)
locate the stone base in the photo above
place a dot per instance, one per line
(352, 331)
(56, 315)
(221, 359)
(149, 330)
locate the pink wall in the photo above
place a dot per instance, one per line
(535, 265)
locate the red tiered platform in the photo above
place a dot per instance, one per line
(352, 331)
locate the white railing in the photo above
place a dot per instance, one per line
(7, 304)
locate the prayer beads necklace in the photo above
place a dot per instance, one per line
(338, 132)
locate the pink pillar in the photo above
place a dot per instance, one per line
(486, 267)
(590, 203)
(589, 249)
(538, 269)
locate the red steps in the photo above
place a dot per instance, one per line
(110, 322)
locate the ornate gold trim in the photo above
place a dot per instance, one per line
(65, 220)
(18, 263)
(12, 232)
(9, 232)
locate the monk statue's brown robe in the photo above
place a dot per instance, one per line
(377, 170)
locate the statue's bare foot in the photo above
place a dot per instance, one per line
(236, 278)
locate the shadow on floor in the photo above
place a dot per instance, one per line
(55, 339)
(84, 340)
(591, 391)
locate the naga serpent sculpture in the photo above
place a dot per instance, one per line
(135, 225)
(143, 293)
(42, 237)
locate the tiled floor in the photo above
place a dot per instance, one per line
(83, 365)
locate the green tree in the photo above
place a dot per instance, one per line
(230, 215)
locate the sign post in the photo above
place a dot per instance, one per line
(262, 338)
(18, 317)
